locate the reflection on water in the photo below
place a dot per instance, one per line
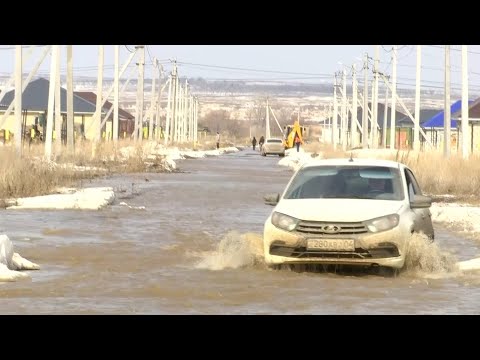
(195, 248)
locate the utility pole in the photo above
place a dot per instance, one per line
(385, 115)
(416, 131)
(175, 107)
(353, 124)
(152, 102)
(139, 111)
(116, 89)
(465, 115)
(168, 119)
(335, 115)
(267, 122)
(159, 101)
(447, 111)
(51, 102)
(58, 110)
(98, 119)
(365, 104)
(394, 97)
(18, 100)
(344, 110)
(70, 110)
(195, 114)
(375, 100)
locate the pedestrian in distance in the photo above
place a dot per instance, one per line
(254, 143)
(298, 141)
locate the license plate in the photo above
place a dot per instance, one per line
(331, 244)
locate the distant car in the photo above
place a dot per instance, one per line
(273, 146)
(346, 212)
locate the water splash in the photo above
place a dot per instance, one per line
(425, 257)
(234, 251)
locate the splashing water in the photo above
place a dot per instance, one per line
(235, 250)
(423, 256)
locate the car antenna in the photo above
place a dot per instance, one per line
(351, 156)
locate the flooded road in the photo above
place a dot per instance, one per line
(190, 243)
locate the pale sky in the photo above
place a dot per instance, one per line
(280, 63)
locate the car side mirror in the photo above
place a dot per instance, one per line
(272, 199)
(420, 202)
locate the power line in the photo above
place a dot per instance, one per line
(249, 69)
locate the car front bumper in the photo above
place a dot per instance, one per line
(385, 248)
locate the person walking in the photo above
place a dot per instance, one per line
(218, 140)
(254, 143)
(297, 141)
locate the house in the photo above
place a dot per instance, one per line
(434, 127)
(35, 106)
(473, 135)
(126, 120)
(380, 120)
(406, 130)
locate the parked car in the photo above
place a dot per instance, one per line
(273, 146)
(346, 212)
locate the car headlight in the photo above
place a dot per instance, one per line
(284, 222)
(383, 223)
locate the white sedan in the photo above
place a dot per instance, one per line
(273, 146)
(346, 212)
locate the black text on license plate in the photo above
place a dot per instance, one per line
(331, 244)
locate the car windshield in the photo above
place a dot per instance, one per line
(346, 182)
(274, 141)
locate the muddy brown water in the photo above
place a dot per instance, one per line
(190, 243)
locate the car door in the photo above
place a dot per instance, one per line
(423, 217)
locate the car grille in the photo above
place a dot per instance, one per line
(330, 229)
(385, 250)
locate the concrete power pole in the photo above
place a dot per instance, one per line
(70, 113)
(365, 104)
(267, 122)
(139, 111)
(177, 112)
(98, 119)
(353, 123)
(51, 102)
(394, 97)
(58, 110)
(375, 100)
(447, 111)
(335, 115)
(385, 116)
(159, 101)
(416, 131)
(465, 115)
(168, 119)
(152, 101)
(116, 88)
(344, 110)
(18, 100)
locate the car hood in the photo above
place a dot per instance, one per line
(337, 210)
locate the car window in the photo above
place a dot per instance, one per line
(354, 182)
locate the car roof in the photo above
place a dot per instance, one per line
(353, 162)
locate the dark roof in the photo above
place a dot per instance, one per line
(439, 119)
(473, 111)
(425, 114)
(35, 98)
(92, 97)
